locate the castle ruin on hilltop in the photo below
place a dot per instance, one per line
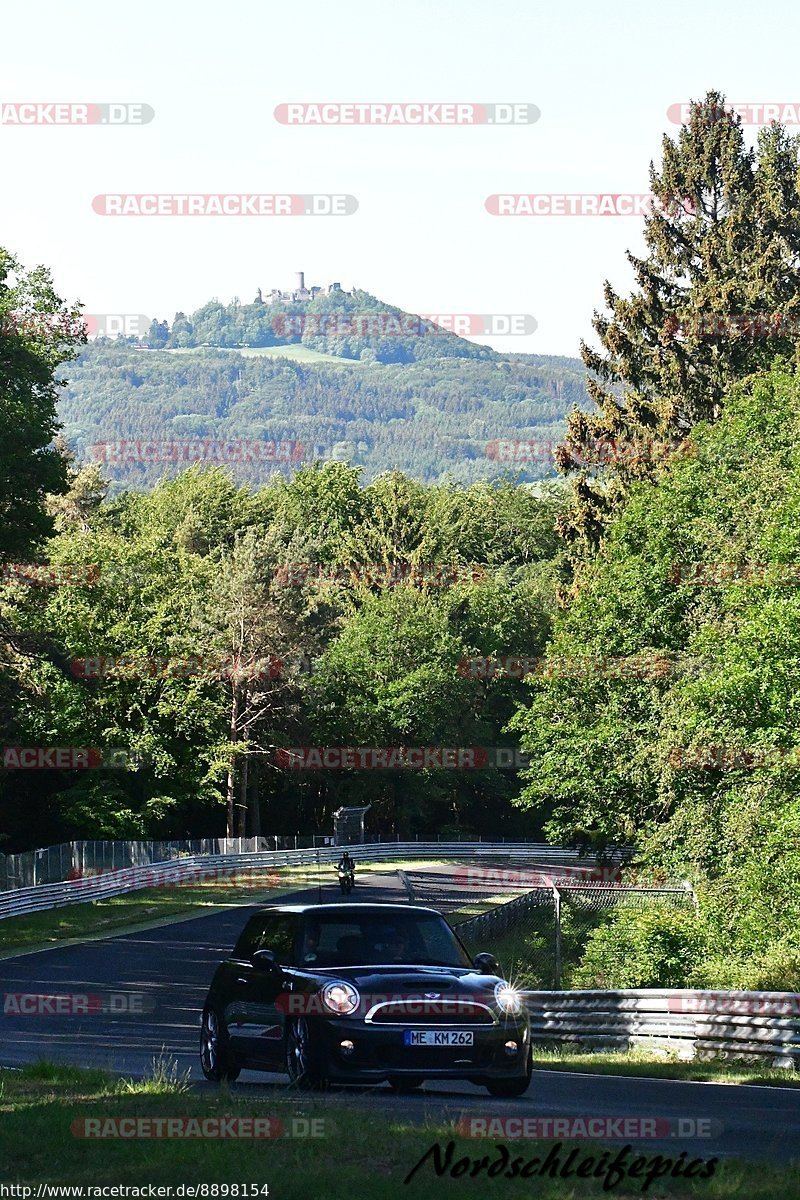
(300, 291)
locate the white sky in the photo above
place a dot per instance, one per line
(602, 76)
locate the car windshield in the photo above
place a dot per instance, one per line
(378, 939)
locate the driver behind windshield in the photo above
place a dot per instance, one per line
(308, 953)
(398, 945)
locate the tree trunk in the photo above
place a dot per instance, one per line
(241, 807)
(255, 804)
(233, 733)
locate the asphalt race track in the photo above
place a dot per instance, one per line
(170, 967)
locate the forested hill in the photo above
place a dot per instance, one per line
(433, 417)
(353, 325)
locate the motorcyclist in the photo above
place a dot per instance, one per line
(346, 863)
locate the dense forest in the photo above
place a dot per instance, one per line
(192, 626)
(195, 639)
(434, 419)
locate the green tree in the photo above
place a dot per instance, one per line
(38, 333)
(629, 758)
(723, 241)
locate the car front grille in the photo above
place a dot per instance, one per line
(421, 1012)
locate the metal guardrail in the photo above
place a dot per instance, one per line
(693, 1024)
(70, 860)
(20, 901)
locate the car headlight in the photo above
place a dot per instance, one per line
(508, 998)
(341, 998)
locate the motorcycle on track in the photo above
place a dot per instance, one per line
(345, 869)
(347, 880)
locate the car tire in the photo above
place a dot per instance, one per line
(512, 1087)
(305, 1064)
(410, 1084)
(216, 1060)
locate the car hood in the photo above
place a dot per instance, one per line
(411, 980)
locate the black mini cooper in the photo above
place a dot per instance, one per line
(363, 993)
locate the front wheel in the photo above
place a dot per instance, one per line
(305, 1063)
(512, 1087)
(405, 1084)
(216, 1059)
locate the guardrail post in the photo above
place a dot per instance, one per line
(557, 948)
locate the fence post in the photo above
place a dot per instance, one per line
(693, 894)
(557, 948)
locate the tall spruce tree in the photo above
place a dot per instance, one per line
(723, 242)
(38, 332)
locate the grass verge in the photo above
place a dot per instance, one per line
(647, 1065)
(43, 1109)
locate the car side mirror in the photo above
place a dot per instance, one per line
(265, 960)
(486, 964)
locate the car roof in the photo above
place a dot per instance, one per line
(348, 908)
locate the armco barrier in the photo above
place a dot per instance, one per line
(70, 860)
(692, 1024)
(20, 901)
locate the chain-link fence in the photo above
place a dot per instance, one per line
(81, 860)
(540, 936)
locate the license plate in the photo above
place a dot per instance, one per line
(437, 1037)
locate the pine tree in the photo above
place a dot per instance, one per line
(723, 241)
